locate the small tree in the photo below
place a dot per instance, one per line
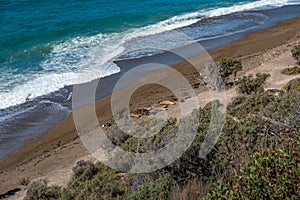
(296, 53)
(40, 190)
(228, 67)
(291, 71)
(293, 85)
(249, 84)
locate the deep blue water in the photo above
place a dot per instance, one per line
(46, 45)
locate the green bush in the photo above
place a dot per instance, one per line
(84, 170)
(159, 139)
(296, 53)
(228, 66)
(272, 174)
(190, 165)
(25, 182)
(96, 182)
(162, 130)
(242, 106)
(291, 71)
(249, 84)
(90, 181)
(158, 190)
(41, 191)
(285, 109)
(293, 85)
(134, 144)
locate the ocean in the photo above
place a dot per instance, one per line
(48, 45)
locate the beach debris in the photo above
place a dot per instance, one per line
(167, 103)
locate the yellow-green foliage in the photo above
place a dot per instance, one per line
(134, 144)
(296, 53)
(228, 66)
(249, 84)
(291, 71)
(293, 85)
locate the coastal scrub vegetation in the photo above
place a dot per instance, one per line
(249, 84)
(293, 85)
(257, 156)
(296, 53)
(229, 67)
(25, 182)
(40, 190)
(291, 71)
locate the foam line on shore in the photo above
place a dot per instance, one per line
(83, 59)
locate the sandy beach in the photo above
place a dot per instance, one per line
(53, 155)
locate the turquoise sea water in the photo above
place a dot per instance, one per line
(46, 45)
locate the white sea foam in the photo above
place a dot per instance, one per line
(51, 82)
(83, 59)
(263, 4)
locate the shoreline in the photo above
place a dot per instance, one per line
(31, 128)
(52, 150)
